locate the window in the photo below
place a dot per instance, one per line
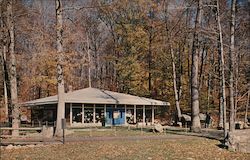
(99, 113)
(88, 113)
(130, 114)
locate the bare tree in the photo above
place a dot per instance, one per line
(3, 51)
(247, 105)
(196, 125)
(231, 68)
(60, 79)
(222, 69)
(89, 61)
(177, 101)
(12, 70)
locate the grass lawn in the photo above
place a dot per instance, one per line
(183, 147)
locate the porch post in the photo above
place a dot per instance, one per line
(94, 114)
(125, 106)
(134, 113)
(83, 113)
(105, 109)
(70, 114)
(143, 115)
(153, 114)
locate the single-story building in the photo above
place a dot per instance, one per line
(92, 107)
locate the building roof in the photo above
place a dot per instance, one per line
(97, 96)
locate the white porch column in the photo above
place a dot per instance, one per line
(82, 113)
(125, 106)
(134, 113)
(105, 109)
(153, 114)
(94, 114)
(143, 115)
(70, 114)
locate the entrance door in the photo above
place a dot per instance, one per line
(115, 116)
(118, 116)
(109, 115)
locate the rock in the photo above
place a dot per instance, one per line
(179, 124)
(202, 116)
(239, 141)
(10, 147)
(158, 128)
(31, 146)
(186, 117)
(47, 132)
(239, 125)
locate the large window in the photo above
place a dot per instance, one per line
(148, 114)
(130, 114)
(77, 113)
(139, 114)
(99, 113)
(88, 113)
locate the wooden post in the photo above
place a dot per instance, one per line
(94, 114)
(143, 115)
(134, 113)
(63, 122)
(70, 114)
(105, 110)
(83, 113)
(153, 114)
(125, 107)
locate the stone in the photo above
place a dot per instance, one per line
(202, 116)
(239, 141)
(10, 147)
(158, 128)
(47, 132)
(186, 117)
(239, 125)
(31, 146)
(179, 124)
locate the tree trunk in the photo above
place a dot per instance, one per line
(3, 51)
(12, 68)
(89, 64)
(231, 69)
(209, 81)
(247, 105)
(177, 102)
(60, 79)
(196, 125)
(5, 80)
(222, 70)
(150, 62)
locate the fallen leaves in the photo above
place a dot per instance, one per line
(153, 149)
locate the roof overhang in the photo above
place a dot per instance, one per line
(97, 96)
